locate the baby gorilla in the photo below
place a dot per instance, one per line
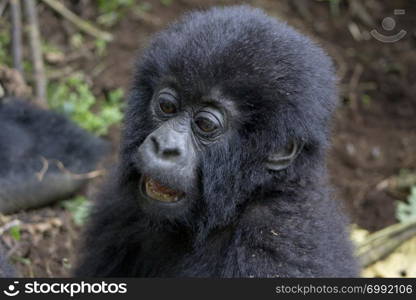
(222, 170)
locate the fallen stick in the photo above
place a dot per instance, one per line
(80, 23)
(381, 243)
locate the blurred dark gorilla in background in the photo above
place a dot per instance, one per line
(42, 154)
(222, 170)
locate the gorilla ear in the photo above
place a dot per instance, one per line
(282, 158)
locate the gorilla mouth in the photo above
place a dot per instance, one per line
(157, 191)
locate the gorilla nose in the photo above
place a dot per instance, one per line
(165, 149)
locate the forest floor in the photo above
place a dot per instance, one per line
(374, 136)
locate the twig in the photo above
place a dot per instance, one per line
(89, 175)
(45, 166)
(16, 20)
(381, 243)
(39, 69)
(355, 79)
(80, 23)
(355, 31)
(398, 182)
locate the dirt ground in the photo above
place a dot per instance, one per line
(375, 127)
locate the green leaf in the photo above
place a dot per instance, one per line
(73, 97)
(79, 207)
(407, 211)
(15, 232)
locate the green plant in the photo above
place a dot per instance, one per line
(15, 232)
(5, 58)
(73, 97)
(22, 260)
(79, 207)
(112, 10)
(407, 211)
(100, 47)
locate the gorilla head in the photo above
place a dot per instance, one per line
(228, 107)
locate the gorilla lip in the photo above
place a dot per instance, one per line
(157, 191)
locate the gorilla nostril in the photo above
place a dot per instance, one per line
(170, 153)
(155, 144)
(161, 150)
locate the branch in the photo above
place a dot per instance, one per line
(89, 175)
(45, 167)
(39, 69)
(16, 20)
(80, 23)
(402, 181)
(381, 243)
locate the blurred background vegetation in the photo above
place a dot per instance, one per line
(88, 50)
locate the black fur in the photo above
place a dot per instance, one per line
(248, 221)
(28, 135)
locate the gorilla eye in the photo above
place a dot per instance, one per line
(208, 122)
(167, 104)
(206, 125)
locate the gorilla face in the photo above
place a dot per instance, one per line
(169, 156)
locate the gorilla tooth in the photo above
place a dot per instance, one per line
(157, 191)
